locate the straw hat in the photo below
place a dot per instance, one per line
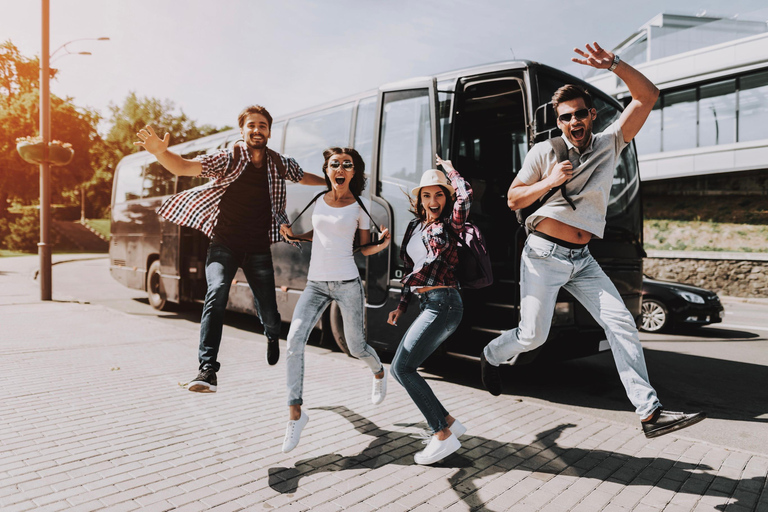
(433, 177)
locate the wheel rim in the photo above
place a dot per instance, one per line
(155, 290)
(654, 316)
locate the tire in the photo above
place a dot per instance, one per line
(655, 316)
(155, 289)
(337, 328)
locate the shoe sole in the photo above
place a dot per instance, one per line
(675, 426)
(201, 387)
(427, 463)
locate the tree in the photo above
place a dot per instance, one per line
(137, 112)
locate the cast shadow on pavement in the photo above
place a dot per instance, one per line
(480, 458)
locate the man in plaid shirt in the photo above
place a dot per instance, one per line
(240, 209)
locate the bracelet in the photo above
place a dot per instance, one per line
(615, 63)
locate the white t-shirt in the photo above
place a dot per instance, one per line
(333, 239)
(416, 249)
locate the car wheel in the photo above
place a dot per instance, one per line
(655, 316)
(155, 289)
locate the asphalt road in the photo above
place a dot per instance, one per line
(720, 369)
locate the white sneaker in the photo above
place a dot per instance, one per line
(379, 389)
(437, 450)
(293, 432)
(458, 429)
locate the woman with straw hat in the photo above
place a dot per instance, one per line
(430, 255)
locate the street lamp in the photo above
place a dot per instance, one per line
(44, 248)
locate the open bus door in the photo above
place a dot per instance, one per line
(491, 134)
(406, 140)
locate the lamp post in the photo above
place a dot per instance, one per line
(44, 247)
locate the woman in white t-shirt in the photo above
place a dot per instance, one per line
(333, 276)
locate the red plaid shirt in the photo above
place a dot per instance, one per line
(442, 249)
(199, 207)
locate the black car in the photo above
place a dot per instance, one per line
(667, 305)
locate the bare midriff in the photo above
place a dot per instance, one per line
(562, 231)
(429, 288)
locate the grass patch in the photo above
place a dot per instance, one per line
(4, 253)
(695, 235)
(101, 226)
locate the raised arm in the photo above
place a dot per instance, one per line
(168, 159)
(463, 194)
(644, 93)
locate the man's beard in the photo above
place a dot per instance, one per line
(256, 145)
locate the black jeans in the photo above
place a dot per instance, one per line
(220, 268)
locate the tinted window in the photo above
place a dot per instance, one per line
(648, 139)
(753, 107)
(307, 136)
(364, 127)
(129, 183)
(717, 113)
(679, 119)
(406, 151)
(157, 181)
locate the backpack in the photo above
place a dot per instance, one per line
(561, 152)
(474, 269)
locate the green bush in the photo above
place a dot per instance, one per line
(24, 233)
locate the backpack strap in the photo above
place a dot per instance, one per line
(373, 222)
(561, 153)
(275, 157)
(314, 199)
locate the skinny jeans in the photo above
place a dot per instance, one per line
(220, 268)
(314, 299)
(441, 312)
(546, 267)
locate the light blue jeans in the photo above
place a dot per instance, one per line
(545, 268)
(441, 312)
(313, 301)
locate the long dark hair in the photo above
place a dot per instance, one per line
(420, 212)
(357, 184)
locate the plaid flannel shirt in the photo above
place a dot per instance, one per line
(442, 249)
(199, 207)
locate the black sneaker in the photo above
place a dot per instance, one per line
(664, 422)
(490, 375)
(273, 352)
(205, 381)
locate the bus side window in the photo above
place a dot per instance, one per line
(307, 136)
(406, 151)
(129, 183)
(157, 181)
(364, 127)
(187, 182)
(276, 136)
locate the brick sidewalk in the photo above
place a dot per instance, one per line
(94, 418)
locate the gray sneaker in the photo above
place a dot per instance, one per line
(205, 381)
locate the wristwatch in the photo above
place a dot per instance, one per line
(616, 61)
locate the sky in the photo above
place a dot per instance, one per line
(212, 58)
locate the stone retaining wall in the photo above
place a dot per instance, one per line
(724, 275)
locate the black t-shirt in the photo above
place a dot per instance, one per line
(245, 212)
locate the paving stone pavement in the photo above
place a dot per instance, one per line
(95, 417)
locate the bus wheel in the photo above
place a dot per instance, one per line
(155, 289)
(337, 328)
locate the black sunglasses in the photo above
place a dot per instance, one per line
(346, 164)
(582, 113)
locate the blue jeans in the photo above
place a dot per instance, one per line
(545, 268)
(220, 268)
(441, 312)
(313, 301)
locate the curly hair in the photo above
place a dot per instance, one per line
(357, 184)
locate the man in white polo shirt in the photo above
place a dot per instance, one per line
(556, 254)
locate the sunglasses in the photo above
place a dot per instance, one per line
(582, 113)
(346, 164)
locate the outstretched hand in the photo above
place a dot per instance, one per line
(151, 142)
(596, 58)
(447, 165)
